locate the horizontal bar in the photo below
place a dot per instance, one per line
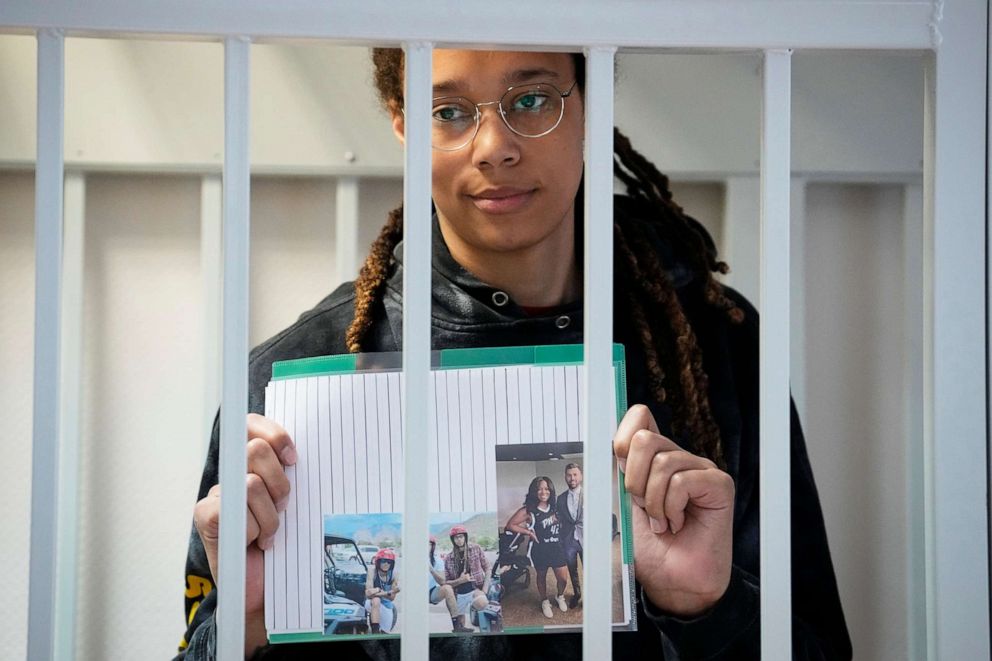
(598, 429)
(234, 384)
(715, 24)
(416, 339)
(48, 277)
(773, 347)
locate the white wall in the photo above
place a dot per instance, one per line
(156, 105)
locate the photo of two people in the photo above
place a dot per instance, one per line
(540, 514)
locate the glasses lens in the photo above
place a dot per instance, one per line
(532, 110)
(453, 122)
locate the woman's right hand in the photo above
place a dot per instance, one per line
(269, 449)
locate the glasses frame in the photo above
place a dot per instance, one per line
(502, 112)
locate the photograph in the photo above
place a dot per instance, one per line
(540, 524)
(362, 573)
(463, 593)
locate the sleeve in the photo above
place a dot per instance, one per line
(198, 643)
(732, 628)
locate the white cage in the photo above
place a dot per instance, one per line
(954, 493)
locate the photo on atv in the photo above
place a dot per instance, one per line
(361, 577)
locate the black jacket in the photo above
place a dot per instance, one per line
(565, 517)
(466, 313)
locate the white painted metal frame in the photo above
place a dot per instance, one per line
(234, 384)
(773, 347)
(956, 465)
(48, 284)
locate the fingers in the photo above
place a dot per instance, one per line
(263, 462)
(638, 417)
(273, 434)
(709, 488)
(263, 518)
(665, 469)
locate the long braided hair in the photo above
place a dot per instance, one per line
(674, 361)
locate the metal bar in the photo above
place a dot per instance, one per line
(913, 420)
(416, 338)
(211, 279)
(957, 168)
(597, 639)
(773, 347)
(234, 404)
(715, 24)
(48, 277)
(346, 247)
(74, 229)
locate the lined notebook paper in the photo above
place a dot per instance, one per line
(347, 486)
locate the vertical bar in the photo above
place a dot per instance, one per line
(960, 435)
(773, 346)
(929, 541)
(48, 276)
(211, 272)
(416, 339)
(597, 638)
(346, 228)
(70, 430)
(913, 423)
(234, 404)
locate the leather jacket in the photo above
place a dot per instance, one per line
(469, 313)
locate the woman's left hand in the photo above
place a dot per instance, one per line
(683, 517)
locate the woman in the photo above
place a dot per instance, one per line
(538, 519)
(381, 588)
(507, 189)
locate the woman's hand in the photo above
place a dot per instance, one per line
(683, 517)
(269, 449)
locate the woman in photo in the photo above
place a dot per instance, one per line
(538, 518)
(381, 588)
(507, 170)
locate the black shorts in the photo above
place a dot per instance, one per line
(547, 554)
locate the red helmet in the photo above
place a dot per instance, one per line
(384, 554)
(458, 530)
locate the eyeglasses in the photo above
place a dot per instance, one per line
(531, 111)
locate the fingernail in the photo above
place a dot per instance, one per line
(289, 455)
(655, 526)
(282, 504)
(638, 501)
(265, 544)
(623, 465)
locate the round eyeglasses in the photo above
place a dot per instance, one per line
(529, 110)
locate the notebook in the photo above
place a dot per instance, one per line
(504, 485)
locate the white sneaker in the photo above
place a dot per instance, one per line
(561, 603)
(546, 608)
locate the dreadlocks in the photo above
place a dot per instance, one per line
(674, 361)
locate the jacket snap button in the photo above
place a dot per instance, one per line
(563, 321)
(500, 298)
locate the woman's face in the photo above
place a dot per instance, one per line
(504, 192)
(543, 492)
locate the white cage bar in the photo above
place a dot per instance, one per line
(773, 348)
(955, 308)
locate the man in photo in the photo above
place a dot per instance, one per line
(570, 515)
(439, 590)
(466, 570)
